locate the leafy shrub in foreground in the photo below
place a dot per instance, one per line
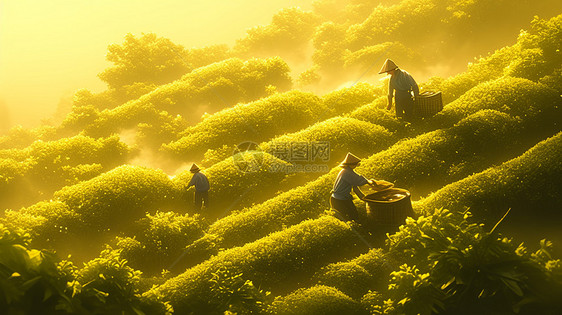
(30, 280)
(355, 277)
(319, 299)
(278, 261)
(454, 266)
(36, 282)
(159, 239)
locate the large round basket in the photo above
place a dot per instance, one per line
(389, 207)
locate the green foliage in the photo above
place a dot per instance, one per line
(364, 57)
(357, 276)
(118, 197)
(347, 99)
(530, 180)
(319, 299)
(433, 159)
(208, 88)
(95, 209)
(154, 60)
(238, 181)
(515, 96)
(273, 262)
(19, 138)
(329, 43)
(38, 170)
(286, 209)
(159, 239)
(257, 121)
(458, 267)
(35, 282)
(287, 35)
(30, 280)
(376, 113)
(342, 135)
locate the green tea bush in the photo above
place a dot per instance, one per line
(286, 209)
(535, 55)
(376, 113)
(287, 35)
(347, 99)
(278, 261)
(214, 87)
(356, 277)
(453, 266)
(238, 181)
(118, 197)
(44, 221)
(30, 280)
(154, 60)
(19, 138)
(540, 49)
(433, 159)
(319, 299)
(515, 96)
(257, 121)
(342, 134)
(159, 239)
(528, 181)
(108, 284)
(364, 57)
(38, 170)
(37, 282)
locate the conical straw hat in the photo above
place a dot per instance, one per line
(194, 168)
(387, 66)
(350, 159)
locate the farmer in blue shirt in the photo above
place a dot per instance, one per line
(201, 183)
(400, 87)
(347, 180)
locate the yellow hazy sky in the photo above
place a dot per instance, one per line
(51, 48)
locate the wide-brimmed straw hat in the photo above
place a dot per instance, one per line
(350, 159)
(388, 66)
(194, 168)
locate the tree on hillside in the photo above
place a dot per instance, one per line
(287, 35)
(150, 59)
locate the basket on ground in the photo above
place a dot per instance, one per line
(428, 104)
(389, 207)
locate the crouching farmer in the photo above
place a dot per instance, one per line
(201, 183)
(341, 199)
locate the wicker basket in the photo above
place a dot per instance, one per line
(428, 104)
(389, 207)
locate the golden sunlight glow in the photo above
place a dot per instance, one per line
(50, 49)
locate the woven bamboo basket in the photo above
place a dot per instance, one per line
(428, 104)
(389, 207)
